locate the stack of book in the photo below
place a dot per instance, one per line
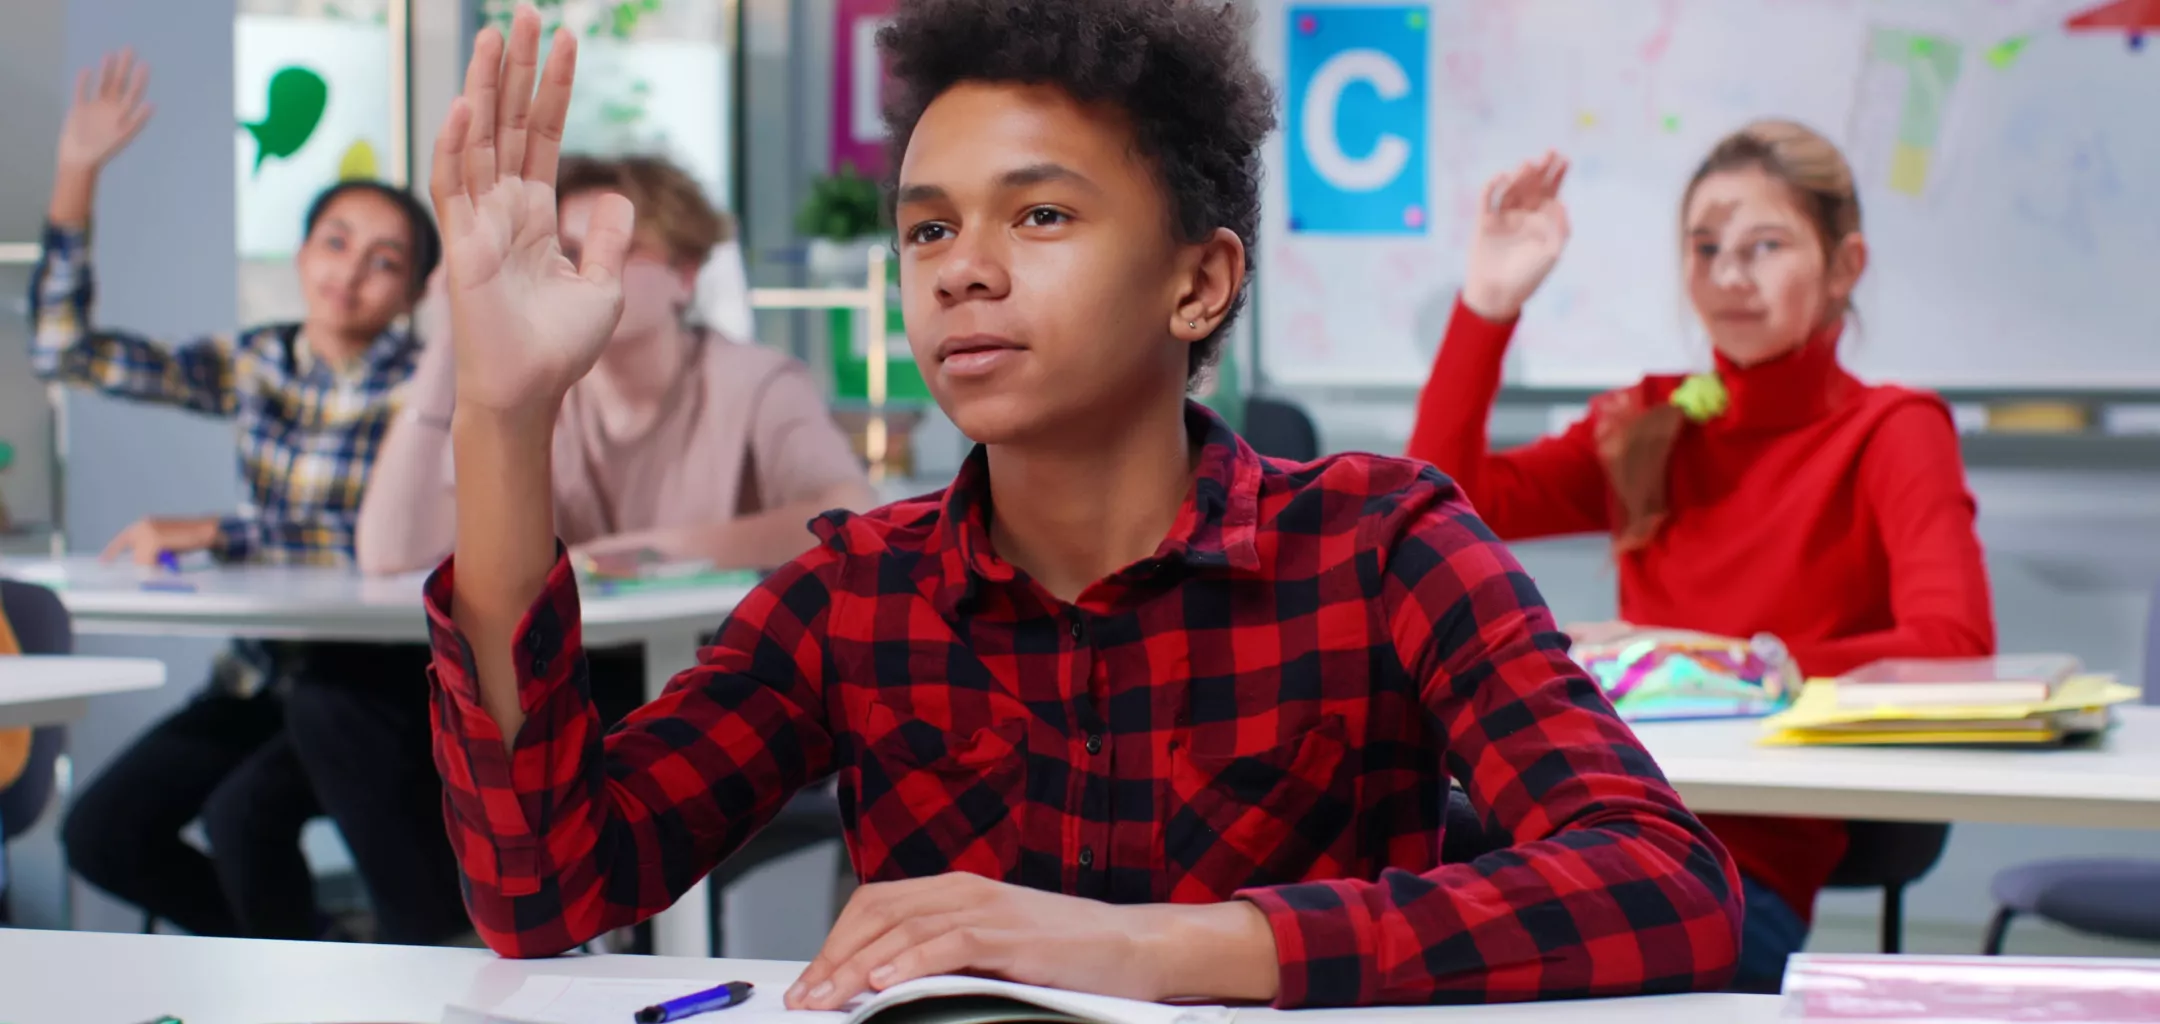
(2012, 700)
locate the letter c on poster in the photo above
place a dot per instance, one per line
(1324, 95)
(1357, 115)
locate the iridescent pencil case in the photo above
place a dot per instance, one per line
(1665, 675)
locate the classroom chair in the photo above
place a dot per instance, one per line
(812, 817)
(1280, 429)
(1889, 855)
(41, 625)
(2118, 898)
(1464, 837)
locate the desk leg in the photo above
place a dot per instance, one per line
(684, 929)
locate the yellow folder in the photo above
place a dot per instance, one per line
(1816, 719)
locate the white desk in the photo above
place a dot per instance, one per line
(78, 977)
(39, 689)
(320, 603)
(1718, 768)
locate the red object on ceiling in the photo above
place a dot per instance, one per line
(2129, 15)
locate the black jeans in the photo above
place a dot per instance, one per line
(226, 760)
(367, 749)
(358, 720)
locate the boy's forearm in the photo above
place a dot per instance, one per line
(505, 542)
(1222, 952)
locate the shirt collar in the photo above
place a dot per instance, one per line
(1217, 527)
(386, 352)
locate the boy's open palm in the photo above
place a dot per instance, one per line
(525, 321)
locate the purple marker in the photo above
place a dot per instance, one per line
(731, 994)
(170, 563)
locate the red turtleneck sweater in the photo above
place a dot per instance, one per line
(1829, 512)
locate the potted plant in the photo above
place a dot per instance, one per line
(844, 216)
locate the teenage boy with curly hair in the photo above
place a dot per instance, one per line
(1126, 708)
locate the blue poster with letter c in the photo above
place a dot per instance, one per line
(1358, 103)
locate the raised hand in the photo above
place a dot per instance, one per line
(107, 114)
(526, 323)
(1521, 229)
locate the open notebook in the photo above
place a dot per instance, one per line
(557, 999)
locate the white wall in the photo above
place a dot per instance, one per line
(164, 238)
(31, 86)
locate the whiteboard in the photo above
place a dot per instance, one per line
(2009, 168)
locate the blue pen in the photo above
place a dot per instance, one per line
(730, 994)
(170, 563)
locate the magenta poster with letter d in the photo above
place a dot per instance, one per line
(858, 133)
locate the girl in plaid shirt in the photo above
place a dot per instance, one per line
(309, 402)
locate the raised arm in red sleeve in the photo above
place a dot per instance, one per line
(1549, 487)
(568, 836)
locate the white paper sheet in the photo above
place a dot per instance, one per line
(562, 999)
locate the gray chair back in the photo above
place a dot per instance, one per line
(40, 621)
(41, 624)
(2152, 649)
(1279, 429)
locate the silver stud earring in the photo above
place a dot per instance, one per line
(1192, 324)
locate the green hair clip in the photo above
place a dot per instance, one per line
(1701, 397)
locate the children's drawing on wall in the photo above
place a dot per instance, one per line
(311, 95)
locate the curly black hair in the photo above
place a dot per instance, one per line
(1182, 70)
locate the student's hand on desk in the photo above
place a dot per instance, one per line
(960, 923)
(107, 113)
(1521, 229)
(527, 321)
(150, 537)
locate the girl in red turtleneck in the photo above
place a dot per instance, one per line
(1828, 512)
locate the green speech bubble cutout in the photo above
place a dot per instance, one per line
(294, 109)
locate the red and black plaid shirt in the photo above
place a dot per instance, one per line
(1269, 708)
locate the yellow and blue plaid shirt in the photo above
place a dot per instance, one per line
(308, 431)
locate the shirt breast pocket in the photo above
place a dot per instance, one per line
(928, 802)
(1267, 817)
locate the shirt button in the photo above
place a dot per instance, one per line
(1094, 743)
(1087, 856)
(1078, 630)
(539, 666)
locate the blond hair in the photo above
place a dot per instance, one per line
(672, 211)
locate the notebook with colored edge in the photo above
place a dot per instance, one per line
(1909, 682)
(1979, 990)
